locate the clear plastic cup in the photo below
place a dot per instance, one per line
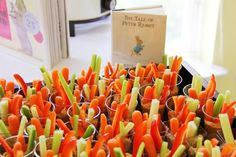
(170, 106)
(142, 81)
(111, 110)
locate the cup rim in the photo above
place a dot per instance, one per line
(106, 104)
(205, 114)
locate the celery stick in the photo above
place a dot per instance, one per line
(2, 93)
(159, 84)
(198, 85)
(22, 125)
(91, 113)
(118, 152)
(86, 91)
(3, 109)
(133, 101)
(47, 81)
(192, 104)
(26, 111)
(29, 93)
(199, 141)
(191, 129)
(171, 62)
(44, 70)
(93, 61)
(164, 59)
(197, 121)
(194, 79)
(216, 152)
(42, 146)
(199, 154)
(122, 78)
(98, 68)
(227, 96)
(208, 145)
(180, 150)
(101, 87)
(138, 66)
(136, 82)
(123, 90)
(84, 154)
(122, 128)
(57, 137)
(164, 149)
(3, 129)
(67, 89)
(75, 124)
(153, 111)
(72, 82)
(140, 149)
(218, 105)
(34, 112)
(121, 66)
(81, 145)
(47, 127)
(32, 135)
(226, 128)
(33, 90)
(89, 131)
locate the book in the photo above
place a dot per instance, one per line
(35, 29)
(138, 35)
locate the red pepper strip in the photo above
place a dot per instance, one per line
(138, 136)
(165, 93)
(225, 109)
(192, 93)
(149, 145)
(99, 144)
(17, 147)
(37, 85)
(21, 83)
(17, 103)
(137, 118)
(92, 78)
(63, 126)
(40, 101)
(65, 73)
(114, 74)
(190, 117)
(155, 133)
(6, 146)
(69, 148)
(106, 72)
(13, 124)
(68, 136)
(93, 91)
(173, 80)
(110, 67)
(10, 86)
(179, 138)
(108, 90)
(117, 118)
(52, 117)
(155, 71)
(161, 67)
(231, 114)
(38, 126)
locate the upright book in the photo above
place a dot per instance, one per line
(35, 29)
(138, 35)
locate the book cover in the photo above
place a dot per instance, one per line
(138, 36)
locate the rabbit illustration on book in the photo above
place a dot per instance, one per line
(138, 47)
(25, 22)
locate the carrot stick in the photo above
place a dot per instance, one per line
(113, 76)
(192, 93)
(123, 72)
(81, 81)
(101, 100)
(77, 95)
(92, 78)
(99, 144)
(101, 153)
(231, 114)
(155, 133)
(184, 113)
(106, 72)
(49, 153)
(38, 126)
(21, 83)
(94, 105)
(173, 80)
(141, 74)
(52, 117)
(108, 90)
(149, 145)
(37, 85)
(129, 86)
(13, 124)
(103, 123)
(21, 139)
(209, 108)
(68, 136)
(112, 143)
(10, 86)
(17, 147)
(33, 100)
(227, 150)
(40, 101)
(127, 98)
(65, 73)
(110, 67)
(165, 93)
(174, 125)
(225, 109)
(214, 142)
(166, 77)
(62, 126)
(93, 91)
(190, 117)
(45, 93)
(202, 97)
(117, 118)
(155, 71)
(142, 129)
(58, 104)
(148, 92)
(55, 80)
(46, 109)
(6, 146)
(213, 87)
(137, 119)
(161, 67)
(109, 130)
(3, 83)
(181, 101)
(88, 146)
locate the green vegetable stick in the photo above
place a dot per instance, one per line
(216, 152)
(226, 128)
(199, 141)
(122, 128)
(159, 83)
(153, 111)
(47, 81)
(22, 125)
(199, 154)
(194, 79)
(136, 82)
(123, 90)
(67, 89)
(227, 96)
(218, 105)
(47, 127)
(118, 152)
(164, 59)
(197, 121)
(3, 109)
(91, 113)
(34, 112)
(171, 62)
(191, 129)
(33, 90)
(198, 85)
(93, 61)
(84, 154)
(122, 78)
(133, 101)
(86, 91)
(72, 82)
(57, 137)
(180, 150)
(140, 149)
(138, 66)
(26, 111)
(3, 129)
(192, 104)
(75, 124)
(29, 93)
(2, 93)
(81, 144)
(44, 70)
(98, 68)
(32, 135)
(42, 146)
(121, 66)
(101, 87)
(164, 149)
(89, 131)
(208, 145)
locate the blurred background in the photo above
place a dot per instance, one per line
(202, 31)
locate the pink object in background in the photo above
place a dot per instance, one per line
(5, 31)
(39, 37)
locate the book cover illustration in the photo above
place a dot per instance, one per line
(5, 30)
(138, 47)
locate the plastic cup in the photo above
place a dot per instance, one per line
(142, 81)
(170, 106)
(48, 146)
(110, 110)
(11, 141)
